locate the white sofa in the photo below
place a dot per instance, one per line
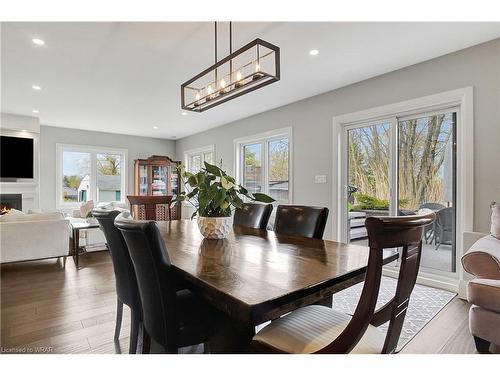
(33, 236)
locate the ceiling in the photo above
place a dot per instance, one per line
(125, 77)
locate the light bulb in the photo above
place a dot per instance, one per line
(257, 75)
(209, 96)
(238, 82)
(197, 98)
(222, 83)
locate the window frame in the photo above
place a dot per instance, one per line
(460, 100)
(264, 139)
(188, 154)
(93, 151)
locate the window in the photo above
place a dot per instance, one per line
(263, 164)
(195, 159)
(89, 173)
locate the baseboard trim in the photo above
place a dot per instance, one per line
(462, 289)
(435, 281)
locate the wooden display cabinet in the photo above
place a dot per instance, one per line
(157, 176)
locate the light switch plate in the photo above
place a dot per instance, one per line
(320, 179)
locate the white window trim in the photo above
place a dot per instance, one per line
(268, 135)
(461, 98)
(198, 150)
(60, 147)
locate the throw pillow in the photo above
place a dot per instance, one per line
(86, 208)
(495, 220)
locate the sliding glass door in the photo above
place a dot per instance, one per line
(397, 166)
(368, 176)
(426, 179)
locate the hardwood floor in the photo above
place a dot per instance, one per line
(46, 307)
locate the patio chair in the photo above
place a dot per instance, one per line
(444, 227)
(429, 230)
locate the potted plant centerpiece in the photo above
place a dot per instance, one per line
(214, 195)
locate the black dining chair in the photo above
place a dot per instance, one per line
(304, 221)
(253, 215)
(126, 283)
(319, 329)
(172, 318)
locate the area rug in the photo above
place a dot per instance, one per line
(425, 303)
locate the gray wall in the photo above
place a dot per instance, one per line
(138, 147)
(311, 119)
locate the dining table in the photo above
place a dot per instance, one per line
(253, 276)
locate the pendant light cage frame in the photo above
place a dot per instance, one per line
(251, 67)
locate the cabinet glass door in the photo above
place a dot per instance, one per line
(174, 183)
(143, 180)
(158, 180)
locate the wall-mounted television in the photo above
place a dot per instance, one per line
(16, 157)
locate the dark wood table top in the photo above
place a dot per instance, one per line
(257, 275)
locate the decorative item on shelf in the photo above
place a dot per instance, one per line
(253, 66)
(214, 195)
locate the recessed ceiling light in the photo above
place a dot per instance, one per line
(38, 42)
(155, 127)
(313, 52)
(184, 113)
(35, 111)
(36, 87)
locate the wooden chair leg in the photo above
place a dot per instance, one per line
(482, 346)
(119, 316)
(134, 332)
(146, 342)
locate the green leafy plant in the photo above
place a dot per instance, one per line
(214, 193)
(367, 202)
(350, 206)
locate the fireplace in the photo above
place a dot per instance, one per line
(9, 201)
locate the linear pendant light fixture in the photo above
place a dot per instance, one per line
(251, 67)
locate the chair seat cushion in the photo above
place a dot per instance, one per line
(311, 328)
(484, 293)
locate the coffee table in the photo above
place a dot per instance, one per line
(76, 227)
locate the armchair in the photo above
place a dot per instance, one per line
(483, 261)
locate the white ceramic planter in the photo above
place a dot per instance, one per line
(215, 228)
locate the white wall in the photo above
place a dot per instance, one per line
(311, 119)
(138, 147)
